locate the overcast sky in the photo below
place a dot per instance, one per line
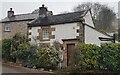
(27, 6)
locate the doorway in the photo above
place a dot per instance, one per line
(70, 48)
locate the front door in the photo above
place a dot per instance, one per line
(70, 48)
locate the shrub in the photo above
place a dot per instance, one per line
(109, 57)
(84, 57)
(20, 51)
(92, 57)
(47, 58)
(19, 46)
(32, 59)
(6, 49)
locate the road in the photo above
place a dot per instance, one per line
(17, 70)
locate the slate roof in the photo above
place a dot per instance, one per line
(58, 19)
(20, 17)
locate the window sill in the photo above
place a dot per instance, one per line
(45, 39)
(7, 31)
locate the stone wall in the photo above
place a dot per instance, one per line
(15, 27)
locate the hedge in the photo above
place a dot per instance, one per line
(87, 57)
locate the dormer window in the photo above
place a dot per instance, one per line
(7, 28)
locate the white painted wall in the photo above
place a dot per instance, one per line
(34, 34)
(65, 31)
(88, 19)
(62, 31)
(91, 36)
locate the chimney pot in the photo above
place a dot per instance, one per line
(10, 9)
(43, 10)
(10, 13)
(43, 5)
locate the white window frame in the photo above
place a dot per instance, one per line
(7, 28)
(45, 34)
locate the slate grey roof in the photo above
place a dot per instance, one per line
(59, 19)
(20, 17)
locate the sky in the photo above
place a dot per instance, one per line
(60, 6)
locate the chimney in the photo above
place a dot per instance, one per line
(43, 11)
(10, 13)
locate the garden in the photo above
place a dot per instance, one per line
(85, 59)
(19, 51)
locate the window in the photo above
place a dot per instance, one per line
(45, 34)
(7, 28)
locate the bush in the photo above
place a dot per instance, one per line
(19, 47)
(32, 59)
(20, 51)
(6, 49)
(48, 58)
(84, 57)
(91, 57)
(109, 58)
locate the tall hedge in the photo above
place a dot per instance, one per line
(6, 49)
(109, 58)
(85, 57)
(92, 57)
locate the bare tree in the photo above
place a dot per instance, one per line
(83, 6)
(95, 7)
(103, 16)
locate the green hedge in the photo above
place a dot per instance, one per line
(84, 57)
(91, 57)
(6, 49)
(109, 58)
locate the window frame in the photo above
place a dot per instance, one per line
(7, 28)
(45, 34)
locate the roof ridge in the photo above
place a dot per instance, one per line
(23, 14)
(69, 13)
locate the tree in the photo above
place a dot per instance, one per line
(96, 8)
(83, 6)
(106, 17)
(103, 16)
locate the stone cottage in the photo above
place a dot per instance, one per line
(68, 29)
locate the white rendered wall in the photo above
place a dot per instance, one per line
(62, 31)
(34, 34)
(88, 19)
(91, 36)
(65, 31)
